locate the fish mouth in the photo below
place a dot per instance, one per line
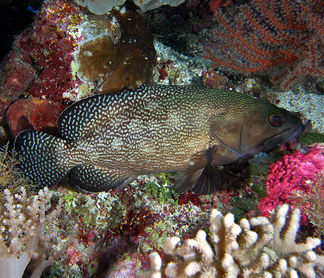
(284, 137)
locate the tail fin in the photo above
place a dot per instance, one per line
(40, 159)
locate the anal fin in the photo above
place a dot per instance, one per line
(95, 178)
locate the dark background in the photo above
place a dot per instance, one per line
(15, 17)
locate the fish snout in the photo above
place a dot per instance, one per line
(285, 136)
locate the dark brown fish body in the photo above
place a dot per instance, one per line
(110, 139)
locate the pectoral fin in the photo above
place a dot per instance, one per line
(95, 178)
(209, 181)
(203, 181)
(186, 180)
(210, 154)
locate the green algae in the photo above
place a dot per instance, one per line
(260, 189)
(311, 138)
(163, 191)
(242, 206)
(102, 211)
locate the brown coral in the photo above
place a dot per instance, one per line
(117, 52)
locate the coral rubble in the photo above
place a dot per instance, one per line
(258, 247)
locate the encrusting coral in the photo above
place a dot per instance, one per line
(258, 247)
(27, 232)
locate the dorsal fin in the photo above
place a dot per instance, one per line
(82, 116)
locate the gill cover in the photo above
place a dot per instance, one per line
(257, 128)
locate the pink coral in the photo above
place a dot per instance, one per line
(293, 172)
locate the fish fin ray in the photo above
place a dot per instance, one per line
(210, 154)
(95, 178)
(203, 181)
(38, 157)
(209, 181)
(185, 180)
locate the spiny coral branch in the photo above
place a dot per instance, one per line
(258, 247)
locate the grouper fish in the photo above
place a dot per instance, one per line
(108, 140)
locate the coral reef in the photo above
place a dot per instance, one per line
(66, 45)
(116, 230)
(293, 172)
(69, 54)
(50, 43)
(27, 233)
(108, 53)
(279, 38)
(258, 247)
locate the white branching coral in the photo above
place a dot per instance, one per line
(258, 247)
(26, 232)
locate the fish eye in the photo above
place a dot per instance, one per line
(276, 120)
